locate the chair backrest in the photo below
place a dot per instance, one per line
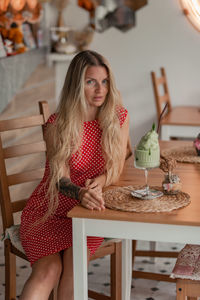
(18, 152)
(161, 91)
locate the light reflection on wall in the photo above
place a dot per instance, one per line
(191, 9)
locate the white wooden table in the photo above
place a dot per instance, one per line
(168, 131)
(179, 226)
(181, 122)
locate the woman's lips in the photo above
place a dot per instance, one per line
(98, 98)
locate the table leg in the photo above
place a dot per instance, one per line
(126, 269)
(80, 260)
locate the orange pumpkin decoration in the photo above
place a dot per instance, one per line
(18, 18)
(4, 5)
(86, 4)
(32, 4)
(36, 14)
(17, 5)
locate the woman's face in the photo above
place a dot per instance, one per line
(96, 85)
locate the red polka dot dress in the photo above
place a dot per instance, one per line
(55, 234)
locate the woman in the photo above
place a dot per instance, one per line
(86, 146)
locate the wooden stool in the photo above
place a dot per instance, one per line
(187, 273)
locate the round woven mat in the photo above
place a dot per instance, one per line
(121, 199)
(182, 154)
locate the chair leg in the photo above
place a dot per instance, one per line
(116, 272)
(152, 248)
(180, 290)
(10, 272)
(187, 289)
(134, 244)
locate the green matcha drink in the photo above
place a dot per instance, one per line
(147, 153)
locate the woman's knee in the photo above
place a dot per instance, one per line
(47, 269)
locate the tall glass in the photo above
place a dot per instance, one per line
(146, 193)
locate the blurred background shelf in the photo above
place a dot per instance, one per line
(14, 71)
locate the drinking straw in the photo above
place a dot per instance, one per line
(161, 115)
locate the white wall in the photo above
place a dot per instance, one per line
(162, 37)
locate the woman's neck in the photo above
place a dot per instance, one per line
(92, 114)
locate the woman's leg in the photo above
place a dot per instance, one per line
(45, 274)
(66, 288)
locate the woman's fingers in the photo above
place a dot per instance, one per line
(96, 194)
(92, 199)
(90, 204)
(90, 183)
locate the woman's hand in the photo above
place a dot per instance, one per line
(98, 181)
(91, 196)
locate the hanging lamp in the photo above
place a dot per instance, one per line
(191, 9)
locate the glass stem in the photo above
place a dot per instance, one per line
(146, 181)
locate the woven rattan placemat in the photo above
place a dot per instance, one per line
(121, 199)
(182, 154)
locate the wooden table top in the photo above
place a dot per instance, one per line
(190, 177)
(180, 115)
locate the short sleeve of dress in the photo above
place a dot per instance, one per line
(122, 114)
(51, 119)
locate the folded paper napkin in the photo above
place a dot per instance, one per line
(188, 263)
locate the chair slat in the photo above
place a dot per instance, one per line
(44, 110)
(6, 209)
(17, 252)
(159, 99)
(20, 150)
(18, 123)
(164, 98)
(23, 177)
(18, 205)
(160, 80)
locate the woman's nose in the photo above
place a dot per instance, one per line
(98, 86)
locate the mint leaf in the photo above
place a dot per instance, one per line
(153, 126)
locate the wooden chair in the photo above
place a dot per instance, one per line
(179, 121)
(187, 282)
(9, 207)
(113, 248)
(151, 253)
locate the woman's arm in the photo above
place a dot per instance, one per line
(90, 198)
(126, 150)
(98, 181)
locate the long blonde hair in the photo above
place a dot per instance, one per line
(67, 129)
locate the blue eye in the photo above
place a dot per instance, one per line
(90, 82)
(105, 82)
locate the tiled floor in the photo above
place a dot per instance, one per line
(98, 275)
(41, 86)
